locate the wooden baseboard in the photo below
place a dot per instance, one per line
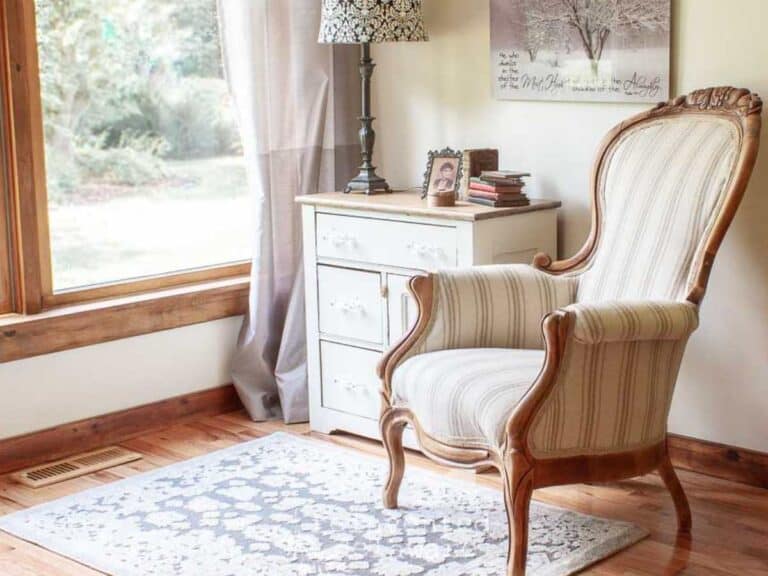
(67, 439)
(719, 460)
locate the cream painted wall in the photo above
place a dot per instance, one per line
(56, 388)
(438, 93)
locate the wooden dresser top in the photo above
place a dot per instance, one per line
(410, 203)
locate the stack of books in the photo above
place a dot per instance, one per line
(473, 163)
(498, 188)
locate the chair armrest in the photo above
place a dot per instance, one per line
(611, 389)
(499, 306)
(629, 320)
(492, 307)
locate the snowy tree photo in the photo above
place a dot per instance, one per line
(602, 50)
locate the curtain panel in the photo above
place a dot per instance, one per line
(295, 100)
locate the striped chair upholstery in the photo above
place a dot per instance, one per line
(619, 372)
(632, 320)
(493, 306)
(663, 183)
(463, 397)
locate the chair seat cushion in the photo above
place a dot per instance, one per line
(464, 396)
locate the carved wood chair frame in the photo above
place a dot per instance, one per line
(521, 472)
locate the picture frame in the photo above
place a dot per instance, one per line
(442, 177)
(581, 51)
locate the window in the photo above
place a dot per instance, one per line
(144, 168)
(126, 136)
(123, 202)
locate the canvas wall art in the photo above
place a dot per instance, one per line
(583, 50)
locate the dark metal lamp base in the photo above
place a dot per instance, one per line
(367, 181)
(368, 184)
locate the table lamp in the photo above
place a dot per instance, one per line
(362, 22)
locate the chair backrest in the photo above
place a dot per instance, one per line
(666, 186)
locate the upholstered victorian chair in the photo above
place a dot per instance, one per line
(563, 372)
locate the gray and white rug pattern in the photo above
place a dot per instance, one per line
(288, 506)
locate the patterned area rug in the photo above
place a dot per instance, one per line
(288, 506)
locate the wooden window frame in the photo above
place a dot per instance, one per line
(7, 289)
(25, 254)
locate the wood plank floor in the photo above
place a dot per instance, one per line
(730, 533)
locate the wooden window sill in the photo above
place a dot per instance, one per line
(78, 325)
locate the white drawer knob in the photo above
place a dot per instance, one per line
(339, 238)
(353, 306)
(348, 385)
(425, 250)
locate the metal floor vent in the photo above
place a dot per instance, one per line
(74, 466)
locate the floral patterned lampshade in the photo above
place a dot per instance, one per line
(363, 21)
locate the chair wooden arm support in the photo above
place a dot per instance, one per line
(421, 287)
(555, 328)
(545, 263)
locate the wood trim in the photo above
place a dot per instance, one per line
(434, 449)
(150, 284)
(7, 288)
(26, 147)
(598, 468)
(67, 439)
(719, 460)
(86, 324)
(392, 423)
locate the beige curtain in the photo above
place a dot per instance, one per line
(296, 102)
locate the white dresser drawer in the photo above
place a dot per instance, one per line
(350, 304)
(402, 244)
(349, 379)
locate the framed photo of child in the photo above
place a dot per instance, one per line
(442, 178)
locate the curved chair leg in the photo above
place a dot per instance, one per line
(669, 476)
(392, 426)
(518, 489)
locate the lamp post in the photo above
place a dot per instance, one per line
(364, 22)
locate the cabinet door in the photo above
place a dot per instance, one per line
(401, 307)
